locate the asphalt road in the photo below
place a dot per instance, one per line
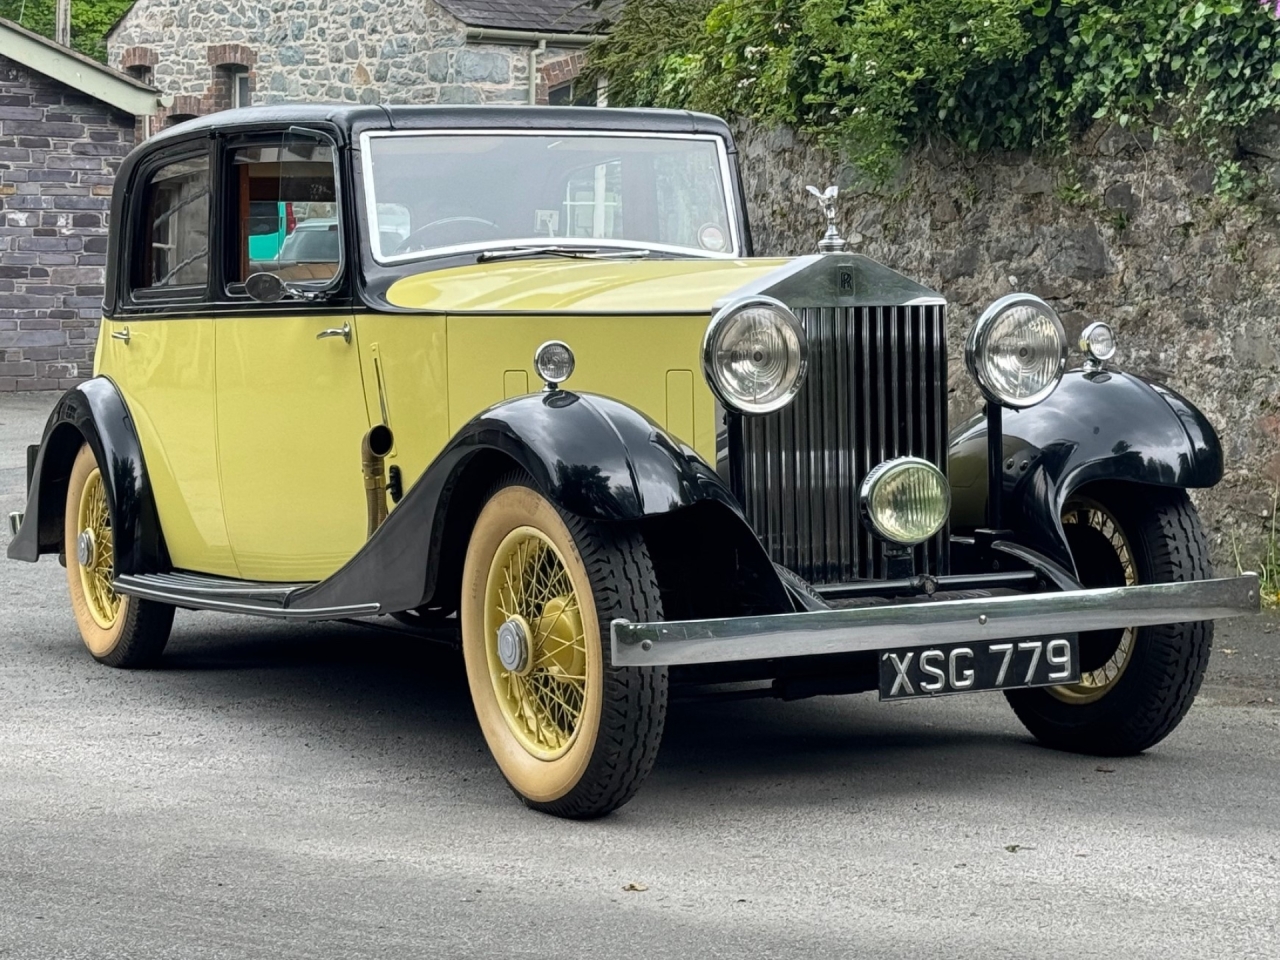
(324, 791)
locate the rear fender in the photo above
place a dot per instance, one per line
(96, 414)
(1105, 425)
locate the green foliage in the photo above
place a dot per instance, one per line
(1266, 566)
(90, 20)
(875, 76)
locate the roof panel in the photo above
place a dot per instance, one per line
(541, 16)
(77, 71)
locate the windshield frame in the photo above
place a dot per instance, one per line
(369, 206)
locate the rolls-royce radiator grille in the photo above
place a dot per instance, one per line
(876, 389)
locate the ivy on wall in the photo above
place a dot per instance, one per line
(873, 77)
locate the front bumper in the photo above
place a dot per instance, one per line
(820, 632)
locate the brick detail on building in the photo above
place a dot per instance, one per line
(138, 57)
(237, 54)
(59, 152)
(554, 72)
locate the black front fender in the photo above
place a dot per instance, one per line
(594, 457)
(1105, 425)
(93, 413)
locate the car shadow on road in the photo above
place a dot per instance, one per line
(409, 699)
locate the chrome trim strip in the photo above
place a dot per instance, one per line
(200, 593)
(15, 522)
(920, 624)
(726, 182)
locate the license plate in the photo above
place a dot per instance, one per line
(947, 668)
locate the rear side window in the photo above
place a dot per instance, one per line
(172, 252)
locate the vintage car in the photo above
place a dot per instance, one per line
(535, 395)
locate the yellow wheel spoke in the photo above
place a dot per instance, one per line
(543, 701)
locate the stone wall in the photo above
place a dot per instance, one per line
(1122, 230)
(365, 51)
(59, 151)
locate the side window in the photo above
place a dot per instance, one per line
(286, 212)
(172, 256)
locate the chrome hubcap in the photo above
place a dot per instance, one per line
(513, 646)
(85, 548)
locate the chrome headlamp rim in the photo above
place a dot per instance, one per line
(711, 373)
(976, 343)
(1088, 345)
(877, 474)
(540, 363)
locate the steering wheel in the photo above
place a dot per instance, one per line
(415, 240)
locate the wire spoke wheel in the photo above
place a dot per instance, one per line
(1136, 684)
(1106, 559)
(118, 631)
(573, 735)
(96, 552)
(542, 701)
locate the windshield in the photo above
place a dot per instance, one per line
(438, 193)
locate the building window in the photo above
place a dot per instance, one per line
(238, 77)
(140, 72)
(572, 94)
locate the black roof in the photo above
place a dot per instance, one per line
(353, 119)
(540, 16)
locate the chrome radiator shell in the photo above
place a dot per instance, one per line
(876, 389)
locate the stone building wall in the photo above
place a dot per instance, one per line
(59, 151)
(1122, 230)
(362, 51)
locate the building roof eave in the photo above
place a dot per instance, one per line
(77, 71)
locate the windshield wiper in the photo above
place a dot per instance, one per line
(573, 253)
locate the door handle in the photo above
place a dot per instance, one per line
(120, 334)
(344, 332)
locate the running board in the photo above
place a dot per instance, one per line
(198, 591)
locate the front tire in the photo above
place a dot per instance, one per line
(119, 631)
(1137, 683)
(573, 735)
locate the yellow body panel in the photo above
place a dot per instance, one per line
(579, 286)
(251, 427)
(165, 372)
(403, 360)
(291, 414)
(652, 363)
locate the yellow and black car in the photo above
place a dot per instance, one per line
(513, 377)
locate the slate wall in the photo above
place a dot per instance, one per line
(59, 151)
(1122, 229)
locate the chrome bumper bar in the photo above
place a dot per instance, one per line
(921, 624)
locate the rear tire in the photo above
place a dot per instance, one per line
(1138, 684)
(117, 630)
(573, 735)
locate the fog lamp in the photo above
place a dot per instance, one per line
(906, 500)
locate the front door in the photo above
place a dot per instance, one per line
(290, 398)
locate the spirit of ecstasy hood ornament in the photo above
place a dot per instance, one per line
(831, 241)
